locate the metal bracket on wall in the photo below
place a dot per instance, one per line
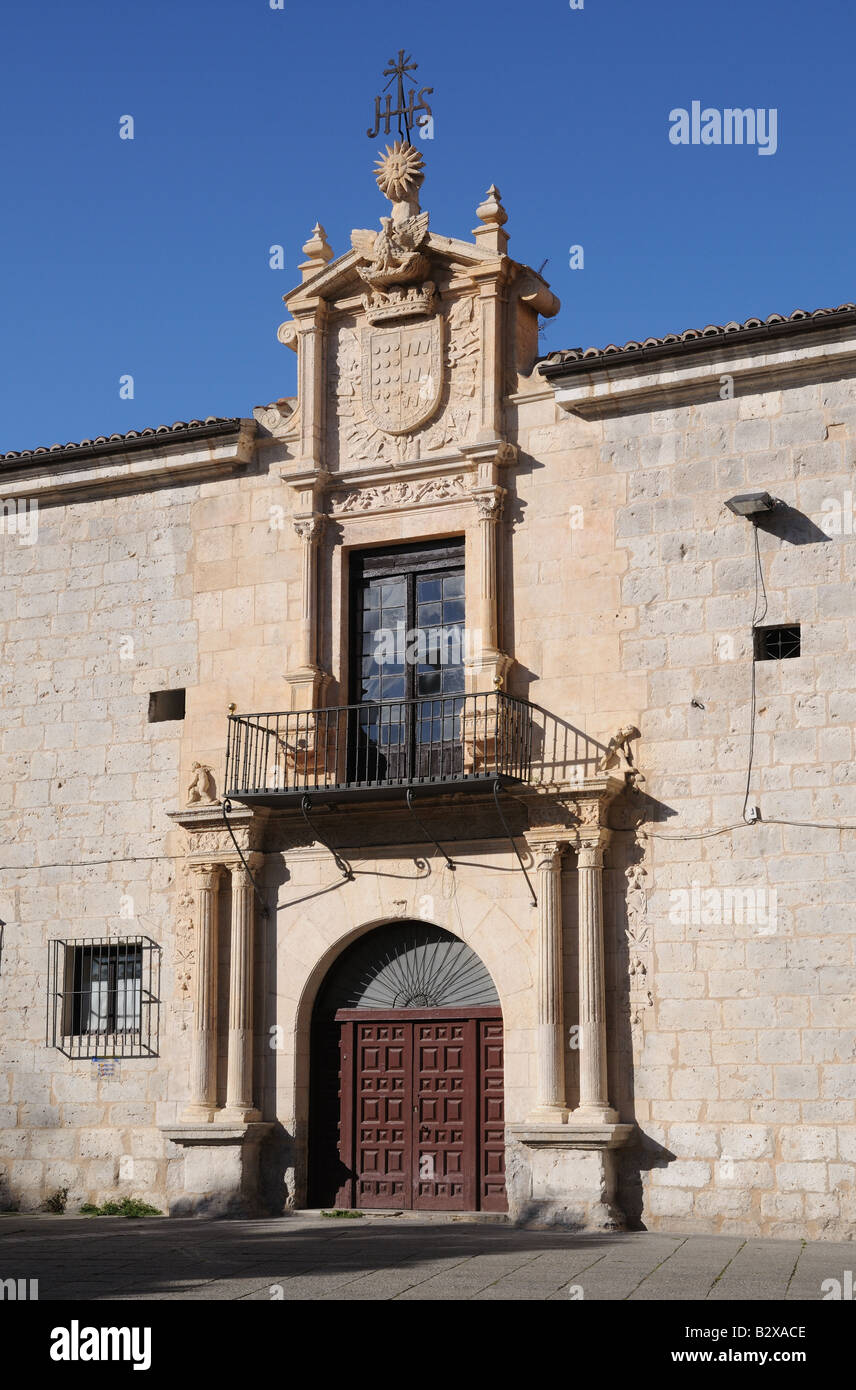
(426, 833)
(345, 869)
(497, 788)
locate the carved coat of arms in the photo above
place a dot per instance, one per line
(402, 374)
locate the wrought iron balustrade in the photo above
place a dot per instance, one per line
(371, 748)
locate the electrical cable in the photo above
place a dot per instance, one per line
(756, 619)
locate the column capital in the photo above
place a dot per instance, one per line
(590, 852)
(546, 850)
(310, 528)
(206, 875)
(240, 870)
(489, 503)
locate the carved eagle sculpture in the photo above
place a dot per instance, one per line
(394, 252)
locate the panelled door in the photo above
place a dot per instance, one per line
(421, 1110)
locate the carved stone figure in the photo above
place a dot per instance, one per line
(396, 258)
(619, 755)
(201, 788)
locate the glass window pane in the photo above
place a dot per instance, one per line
(392, 687)
(429, 614)
(453, 585)
(393, 591)
(371, 619)
(453, 610)
(428, 589)
(371, 688)
(453, 679)
(428, 683)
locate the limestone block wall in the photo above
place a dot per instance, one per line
(734, 1035)
(95, 615)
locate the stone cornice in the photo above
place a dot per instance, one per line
(673, 376)
(159, 460)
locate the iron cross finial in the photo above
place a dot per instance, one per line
(406, 106)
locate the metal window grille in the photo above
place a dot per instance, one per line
(776, 643)
(104, 997)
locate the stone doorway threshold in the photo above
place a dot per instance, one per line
(436, 1218)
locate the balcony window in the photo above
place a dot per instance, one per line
(408, 635)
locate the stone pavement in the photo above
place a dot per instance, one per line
(309, 1257)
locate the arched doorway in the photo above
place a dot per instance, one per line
(406, 1090)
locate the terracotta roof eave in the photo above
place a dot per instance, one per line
(557, 365)
(159, 437)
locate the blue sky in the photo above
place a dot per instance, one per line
(150, 256)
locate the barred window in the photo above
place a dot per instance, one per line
(777, 643)
(103, 997)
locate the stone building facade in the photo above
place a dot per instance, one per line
(560, 921)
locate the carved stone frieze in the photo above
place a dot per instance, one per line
(403, 494)
(185, 940)
(638, 938)
(548, 809)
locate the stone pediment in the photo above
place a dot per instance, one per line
(408, 343)
(341, 277)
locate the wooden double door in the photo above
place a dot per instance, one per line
(420, 1110)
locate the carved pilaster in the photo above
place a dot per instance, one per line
(239, 1067)
(308, 679)
(594, 1104)
(489, 666)
(203, 1064)
(551, 1104)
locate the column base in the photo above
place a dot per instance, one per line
(220, 1171)
(548, 1115)
(564, 1176)
(197, 1115)
(231, 1115)
(587, 1115)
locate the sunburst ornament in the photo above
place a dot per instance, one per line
(400, 172)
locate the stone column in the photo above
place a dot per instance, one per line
(203, 1064)
(239, 1066)
(489, 504)
(551, 1104)
(594, 1107)
(309, 529)
(307, 680)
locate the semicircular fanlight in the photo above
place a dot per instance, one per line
(411, 965)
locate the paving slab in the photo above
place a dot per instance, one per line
(402, 1259)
